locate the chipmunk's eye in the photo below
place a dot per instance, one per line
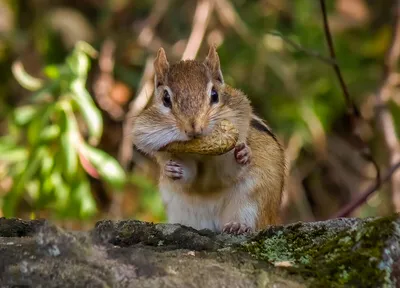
(167, 99)
(214, 96)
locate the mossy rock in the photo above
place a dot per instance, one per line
(334, 253)
(337, 253)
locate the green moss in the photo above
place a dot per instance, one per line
(353, 257)
(126, 231)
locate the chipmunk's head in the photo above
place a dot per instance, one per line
(190, 98)
(189, 93)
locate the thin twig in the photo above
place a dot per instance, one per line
(145, 91)
(329, 40)
(306, 51)
(383, 114)
(344, 212)
(352, 111)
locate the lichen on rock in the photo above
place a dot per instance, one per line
(356, 253)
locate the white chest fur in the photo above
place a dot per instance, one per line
(192, 211)
(213, 214)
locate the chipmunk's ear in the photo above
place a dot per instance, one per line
(161, 67)
(212, 62)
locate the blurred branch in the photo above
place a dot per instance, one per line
(200, 23)
(383, 114)
(229, 17)
(344, 212)
(146, 35)
(350, 162)
(105, 81)
(295, 197)
(136, 106)
(354, 115)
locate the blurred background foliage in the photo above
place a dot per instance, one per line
(62, 128)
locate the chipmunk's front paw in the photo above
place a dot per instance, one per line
(236, 228)
(173, 170)
(242, 154)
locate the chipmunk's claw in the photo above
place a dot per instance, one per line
(173, 170)
(236, 228)
(242, 154)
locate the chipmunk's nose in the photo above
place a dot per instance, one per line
(194, 131)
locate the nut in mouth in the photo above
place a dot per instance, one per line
(222, 139)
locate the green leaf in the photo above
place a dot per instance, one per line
(52, 71)
(23, 115)
(24, 79)
(83, 194)
(107, 167)
(47, 187)
(85, 47)
(38, 125)
(82, 64)
(69, 137)
(13, 155)
(61, 192)
(79, 61)
(46, 195)
(89, 110)
(47, 164)
(33, 189)
(34, 129)
(47, 92)
(50, 133)
(12, 197)
(79, 64)
(10, 152)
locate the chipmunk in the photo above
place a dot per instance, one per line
(237, 192)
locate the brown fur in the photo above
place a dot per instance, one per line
(269, 165)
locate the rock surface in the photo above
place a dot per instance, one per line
(334, 253)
